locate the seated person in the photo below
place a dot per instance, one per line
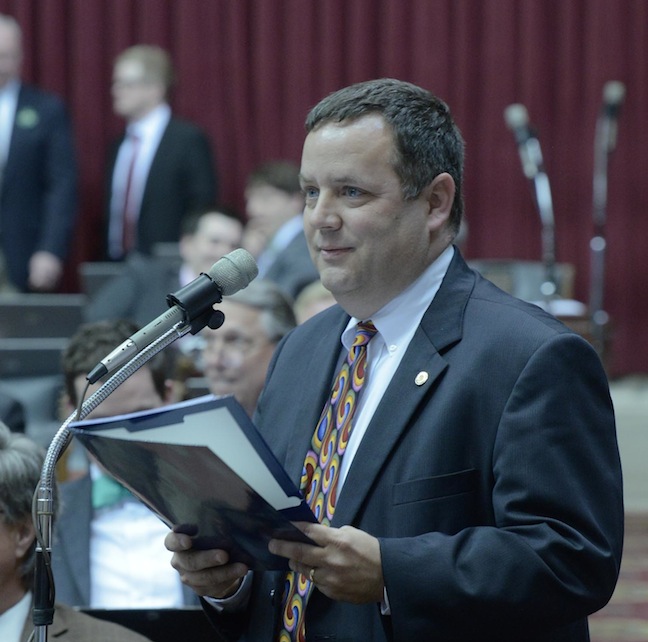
(21, 461)
(107, 544)
(274, 232)
(312, 299)
(236, 356)
(139, 294)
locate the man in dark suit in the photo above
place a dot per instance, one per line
(274, 232)
(162, 167)
(38, 176)
(478, 495)
(139, 293)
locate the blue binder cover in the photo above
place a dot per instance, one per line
(202, 466)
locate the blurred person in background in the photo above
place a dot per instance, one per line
(235, 357)
(38, 176)
(139, 293)
(162, 167)
(106, 542)
(274, 232)
(21, 461)
(312, 299)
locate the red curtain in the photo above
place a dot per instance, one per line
(250, 70)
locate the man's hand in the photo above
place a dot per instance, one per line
(205, 572)
(347, 564)
(45, 270)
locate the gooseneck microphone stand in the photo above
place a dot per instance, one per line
(517, 119)
(604, 144)
(43, 611)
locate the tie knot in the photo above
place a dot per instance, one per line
(365, 330)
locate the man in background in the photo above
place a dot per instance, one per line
(21, 461)
(235, 357)
(105, 553)
(139, 293)
(274, 232)
(162, 167)
(38, 176)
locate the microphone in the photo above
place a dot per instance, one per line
(190, 305)
(613, 96)
(517, 120)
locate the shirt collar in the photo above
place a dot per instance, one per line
(155, 121)
(12, 88)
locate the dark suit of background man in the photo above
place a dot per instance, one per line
(480, 491)
(162, 167)
(38, 179)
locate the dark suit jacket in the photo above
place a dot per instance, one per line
(182, 178)
(494, 487)
(138, 294)
(293, 269)
(71, 546)
(71, 626)
(38, 197)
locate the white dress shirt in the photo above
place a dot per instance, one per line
(396, 324)
(149, 130)
(12, 621)
(8, 104)
(129, 564)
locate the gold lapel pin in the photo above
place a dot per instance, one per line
(421, 378)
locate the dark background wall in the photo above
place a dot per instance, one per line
(250, 70)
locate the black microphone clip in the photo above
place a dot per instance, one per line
(195, 300)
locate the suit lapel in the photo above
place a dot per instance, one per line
(76, 538)
(165, 146)
(440, 328)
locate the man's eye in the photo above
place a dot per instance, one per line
(310, 192)
(353, 192)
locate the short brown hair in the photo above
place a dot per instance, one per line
(155, 61)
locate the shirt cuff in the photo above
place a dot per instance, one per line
(233, 603)
(385, 609)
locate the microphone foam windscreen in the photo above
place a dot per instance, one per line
(613, 92)
(234, 271)
(516, 116)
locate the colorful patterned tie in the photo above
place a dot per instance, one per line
(321, 471)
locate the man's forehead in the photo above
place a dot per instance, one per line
(129, 70)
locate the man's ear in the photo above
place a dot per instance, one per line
(23, 536)
(440, 196)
